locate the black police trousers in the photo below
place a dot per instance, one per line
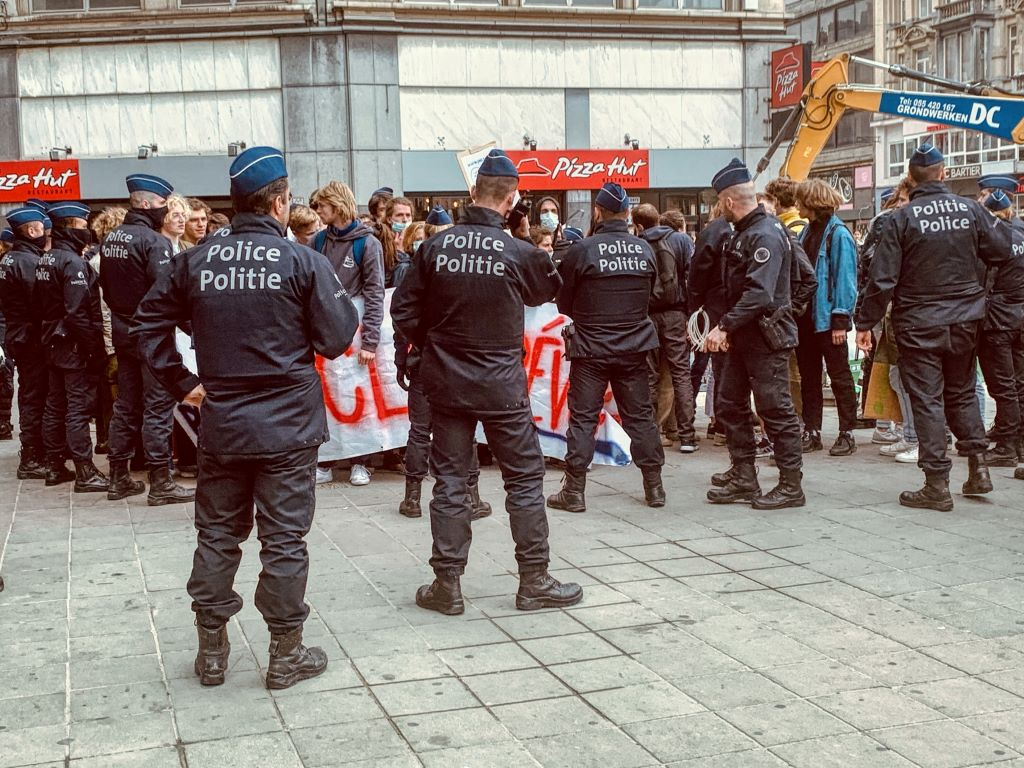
(512, 438)
(749, 368)
(70, 402)
(814, 348)
(938, 371)
(282, 487)
(674, 349)
(628, 376)
(1000, 353)
(6, 391)
(142, 404)
(30, 362)
(417, 450)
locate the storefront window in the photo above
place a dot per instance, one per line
(58, 6)
(709, 5)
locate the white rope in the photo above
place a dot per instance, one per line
(698, 327)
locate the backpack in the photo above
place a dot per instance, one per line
(666, 287)
(358, 246)
(802, 281)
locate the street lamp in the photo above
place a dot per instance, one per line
(59, 153)
(145, 150)
(629, 141)
(235, 147)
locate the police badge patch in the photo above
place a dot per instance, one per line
(761, 255)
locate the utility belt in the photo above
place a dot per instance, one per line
(778, 330)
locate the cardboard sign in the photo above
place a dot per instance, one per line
(556, 169)
(791, 69)
(470, 161)
(45, 179)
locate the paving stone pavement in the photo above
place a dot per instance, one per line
(852, 632)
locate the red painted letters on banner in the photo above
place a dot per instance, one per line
(45, 179)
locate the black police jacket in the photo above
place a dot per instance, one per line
(462, 305)
(607, 280)
(17, 289)
(132, 258)
(926, 261)
(67, 296)
(758, 271)
(260, 308)
(1004, 305)
(704, 286)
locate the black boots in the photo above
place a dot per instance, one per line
(163, 489)
(978, 480)
(30, 468)
(571, 497)
(444, 595)
(934, 495)
(740, 484)
(57, 472)
(479, 509)
(539, 589)
(845, 445)
(721, 479)
(811, 441)
(121, 484)
(654, 491)
(88, 479)
(6, 431)
(212, 659)
(788, 493)
(291, 661)
(1003, 455)
(410, 505)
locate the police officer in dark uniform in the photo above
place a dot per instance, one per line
(132, 258)
(260, 308)
(22, 343)
(67, 295)
(926, 262)
(757, 333)
(996, 181)
(607, 281)
(6, 365)
(462, 305)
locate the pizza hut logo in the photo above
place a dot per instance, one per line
(20, 179)
(581, 169)
(789, 71)
(787, 76)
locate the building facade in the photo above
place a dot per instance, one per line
(386, 93)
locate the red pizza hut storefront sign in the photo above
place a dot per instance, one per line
(44, 179)
(791, 70)
(552, 169)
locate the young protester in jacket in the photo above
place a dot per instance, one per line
(397, 218)
(304, 224)
(176, 222)
(824, 327)
(549, 216)
(543, 238)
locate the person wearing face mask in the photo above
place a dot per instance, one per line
(548, 216)
(67, 295)
(132, 258)
(21, 341)
(397, 218)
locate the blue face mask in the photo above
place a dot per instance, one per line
(549, 220)
(416, 245)
(399, 226)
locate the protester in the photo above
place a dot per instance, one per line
(549, 216)
(378, 203)
(570, 235)
(543, 238)
(175, 222)
(198, 221)
(217, 221)
(397, 217)
(304, 224)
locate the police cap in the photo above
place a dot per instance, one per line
(35, 202)
(734, 173)
(926, 155)
(68, 210)
(998, 181)
(497, 164)
(7, 235)
(143, 182)
(438, 217)
(997, 201)
(255, 168)
(572, 234)
(25, 215)
(613, 197)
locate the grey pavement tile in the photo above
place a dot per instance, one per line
(1011, 680)
(401, 667)
(245, 752)
(847, 750)
(601, 749)
(784, 576)
(516, 686)
(237, 692)
(699, 660)
(903, 668)
(717, 545)
(550, 717)
(990, 622)
(614, 616)
(651, 637)
(621, 572)
(600, 674)
(31, 712)
(28, 746)
(338, 675)
(890, 584)
(205, 723)
(460, 728)
(119, 701)
(648, 701)
(104, 672)
(492, 756)
(748, 561)
(558, 650)
(648, 552)
(748, 759)
(422, 696)
(481, 659)
(877, 708)
(943, 745)
(40, 652)
(382, 642)
(717, 584)
(328, 707)
(108, 646)
(963, 696)
(733, 689)
(1005, 592)
(817, 678)
(161, 757)
(107, 736)
(450, 634)
(784, 722)
(976, 657)
(542, 624)
(1005, 727)
(33, 681)
(344, 743)
(694, 736)
(953, 574)
(688, 566)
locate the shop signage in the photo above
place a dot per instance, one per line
(45, 179)
(791, 69)
(842, 182)
(964, 172)
(864, 176)
(552, 169)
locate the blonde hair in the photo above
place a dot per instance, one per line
(409, 236)
(339, 196)
(302, 216)
(107, 220)
(816, 195)
(175, 200)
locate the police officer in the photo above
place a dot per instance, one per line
(68, 299)
(462, 305)
(996, 181)
(607, 280)
(926, 261)
(22, 343)
(6, 366)
(132, 258)
(260, 308)
(757, 333)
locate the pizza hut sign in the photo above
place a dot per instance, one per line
(791, 69)
(551, 169)
(44, 179)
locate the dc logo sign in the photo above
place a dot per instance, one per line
(984, 115)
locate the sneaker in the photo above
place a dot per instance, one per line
(720, 438)
(688, 446)
(844, 445)
(324, 475)
(764, 449)
(360, 475)
(909, 456)
(885, 436)
(810, 441)
(892, 449)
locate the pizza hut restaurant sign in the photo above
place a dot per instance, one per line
(791, 71)
(44, 179)
(555, 169)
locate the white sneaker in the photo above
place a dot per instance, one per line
(360, 475)
(892, 449)
(688, 447)
(909, 456)
(324, 475)
(884, 436)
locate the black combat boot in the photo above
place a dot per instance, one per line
(539, 589)
(163, 489)
(1003, 455)
(444, 595)
(654, 491)
(410, 505)
(212, 659)
(6, 431)
(787, 493)
(121, 484)
(479, 508)
(978, 479)
(291, 661)
(742, 485)
(721, 479)
(57, 472)
(88, 479)
(571, 498)
(934, 495)
(1018, 473)
(30, 468)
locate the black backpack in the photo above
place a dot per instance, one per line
(802, 283)
(666, 287)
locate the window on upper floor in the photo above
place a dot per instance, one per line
(58, 6)
(924, 9)
(567, 3)
(896, 11)
(710, 5)
(1012, 50)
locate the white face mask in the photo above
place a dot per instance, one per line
(549, 220)
(416, 245)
